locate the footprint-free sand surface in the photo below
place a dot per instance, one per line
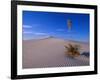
(50, 52)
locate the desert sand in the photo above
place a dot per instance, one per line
(50, 52)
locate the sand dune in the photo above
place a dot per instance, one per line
(50, 52)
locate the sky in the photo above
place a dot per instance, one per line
(37, 25)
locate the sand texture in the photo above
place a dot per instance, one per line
(50, 52)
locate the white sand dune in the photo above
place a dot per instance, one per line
(50, 52)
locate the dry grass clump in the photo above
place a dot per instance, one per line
(72, 50)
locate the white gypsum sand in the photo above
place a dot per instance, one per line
(50, 52)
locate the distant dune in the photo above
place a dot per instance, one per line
(50, 52)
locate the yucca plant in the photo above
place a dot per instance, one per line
(72, 50)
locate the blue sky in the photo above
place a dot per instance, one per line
(38, 25)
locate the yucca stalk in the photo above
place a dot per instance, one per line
(72, 50)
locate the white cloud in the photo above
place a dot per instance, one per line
(40, 33)
(32, 26)
(34, 33)
(27, 26)
(27, 32)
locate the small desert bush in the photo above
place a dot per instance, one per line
(72, 50)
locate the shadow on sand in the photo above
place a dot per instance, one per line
(87, 54)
